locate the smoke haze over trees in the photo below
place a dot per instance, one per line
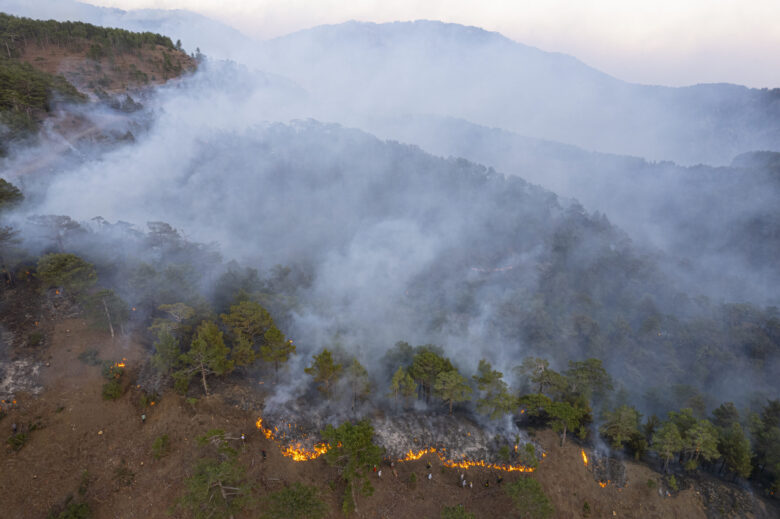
(252, 203)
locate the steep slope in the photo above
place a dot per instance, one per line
(450, 70)
(215, 39)
(660, 204)
(400, 245)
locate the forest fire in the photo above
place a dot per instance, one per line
(603, 484)
(298, 452)
(584, 457)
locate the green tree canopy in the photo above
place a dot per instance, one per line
(402, 384)
(452, 387)
(621, 425)
(495, 399)
(352, 451)
(207, 355)
(276, 349)
(359, 383)
(426, 366)
(734, 446)
(74, 275)
(10, 195)
(668, 442)
(324, 371)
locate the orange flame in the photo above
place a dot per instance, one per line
(299, 453)
(603, 484)
(584, 457)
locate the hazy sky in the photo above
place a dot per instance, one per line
(672, 42)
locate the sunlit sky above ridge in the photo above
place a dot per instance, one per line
(670, 42)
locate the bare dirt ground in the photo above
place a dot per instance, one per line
(81, 440)
(114, 74)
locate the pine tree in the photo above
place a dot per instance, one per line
(324, 371)
(207, 355)
(452, 387)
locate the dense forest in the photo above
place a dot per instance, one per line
(599, 339)
(28, 93)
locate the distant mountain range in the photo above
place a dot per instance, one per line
(443, 69)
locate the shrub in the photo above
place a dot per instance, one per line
(112, 390)
(17, 441)
(456, 512)
(161, 446)
(294, 502)
(529, 498)
(35, 339)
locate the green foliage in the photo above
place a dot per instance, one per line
(725, 415)
(352, 450)
(16, 33)
(68, 271)
(175, 321)
(249, 319)
(10, 196)
(294, 502)
(427, 364)
(207, 355)
(35, 339)
(621, 425)
(112, 390)
(166, 353)
(72, 510)
(539, 374)
(529, 498)
(528, 456)
(17, 441)
(276, 349)
(672, 482)
(123, 475)
(325, 371)
(161, 446)
(565, 417)
(495, 399)
(402, 384)
(588, 379)
(456, 512)
(765, 432)
(359, 382)
(668, 442)
(217, 488)
(452, 387)
(26, 94)
(106, 309)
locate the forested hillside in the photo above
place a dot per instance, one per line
(41, 61)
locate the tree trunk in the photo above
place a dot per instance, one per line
(203, 377)
(563, 438)
(354, 499)
(276, 372)
(224, 495)
(108, 316)
(450, 407)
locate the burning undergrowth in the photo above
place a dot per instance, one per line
(605, 470)
(456, 441)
